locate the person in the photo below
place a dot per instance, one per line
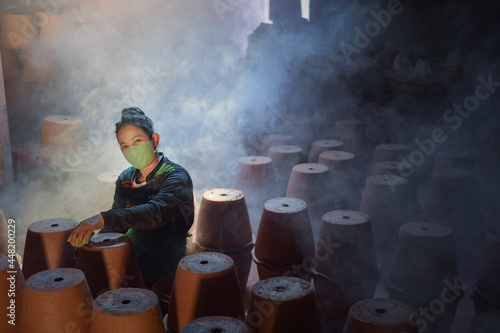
(153, 201)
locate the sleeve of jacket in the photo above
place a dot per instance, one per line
(172, 203)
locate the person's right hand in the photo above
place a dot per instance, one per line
(82, 233)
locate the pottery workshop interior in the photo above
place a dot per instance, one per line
(342, 160)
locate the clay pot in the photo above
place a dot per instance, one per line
(275, 140)
(350, 132)
(59, 135)
(454, 159)
(308, 181)
(343, 184)
(11, 65)
(108, 262)
(39, 65)
(163, 289)
(51, 27)
(126, 310)
(346, 266)
(206, 284)
(282, 304)
(390, 202)
(284, 159)
(423, 261)
(18, 31)
(55, 300)
(242, 260)
(320, 146)
(488, 280)
(223, 221)
(215, 324)
(12, 286)
(487, 322)
(266, 270)
(46, 246)
(387, 152)
(289, 218)
(380, 316)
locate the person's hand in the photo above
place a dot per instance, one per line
(82, 233)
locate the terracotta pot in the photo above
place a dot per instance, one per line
(387, 152)
(423, 261)
(308, 182)
(488, 322)
(454, 159)
(346, 266)
(350, 132)
(46, 246)
(39, 65)
(390, 202)
(24, 157)
(379, 316)
(343, 183)
(287, 217)
(59, 135)
(284, 159)
(488, 280)
(163, 289)
(267, 270)
(55, 300)
(320, 146)
(12, 286)
(206, 284)
(18, 31)
(223, 221)
(51, 27)
(215, 324)
(11, 65)
(242, 261)
(275, 140)
(127, 310)
(108, 262)
(282, 304)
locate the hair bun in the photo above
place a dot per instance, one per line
(132, 111)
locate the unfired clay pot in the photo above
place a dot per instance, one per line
(46, 246)
(308, 182)
(346, 266)
(282, 305)
(288, 218)
(206, 284)
(284, 159)
(380, 316)
(127, 310)
(320, 146)
(56, 300)
(223, 221)
(215, 324)
(108, 262)
(12, 286)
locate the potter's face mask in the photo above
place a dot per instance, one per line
(140, 155)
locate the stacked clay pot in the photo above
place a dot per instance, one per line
(387, 152)
(56, 300)
(12, 286)
(126, 310)
(309, 182)
(46, 246)
(380, 315)
(423, 273)
(215, 324)
(286, 254)
(109, 262)
(274, 140)
(224, 226)
(320, 146)
(282, 305)
(346, 266)
(206, 284)
(486, 290)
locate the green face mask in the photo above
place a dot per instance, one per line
(140, 156)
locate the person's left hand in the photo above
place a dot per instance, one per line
(82, 233)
